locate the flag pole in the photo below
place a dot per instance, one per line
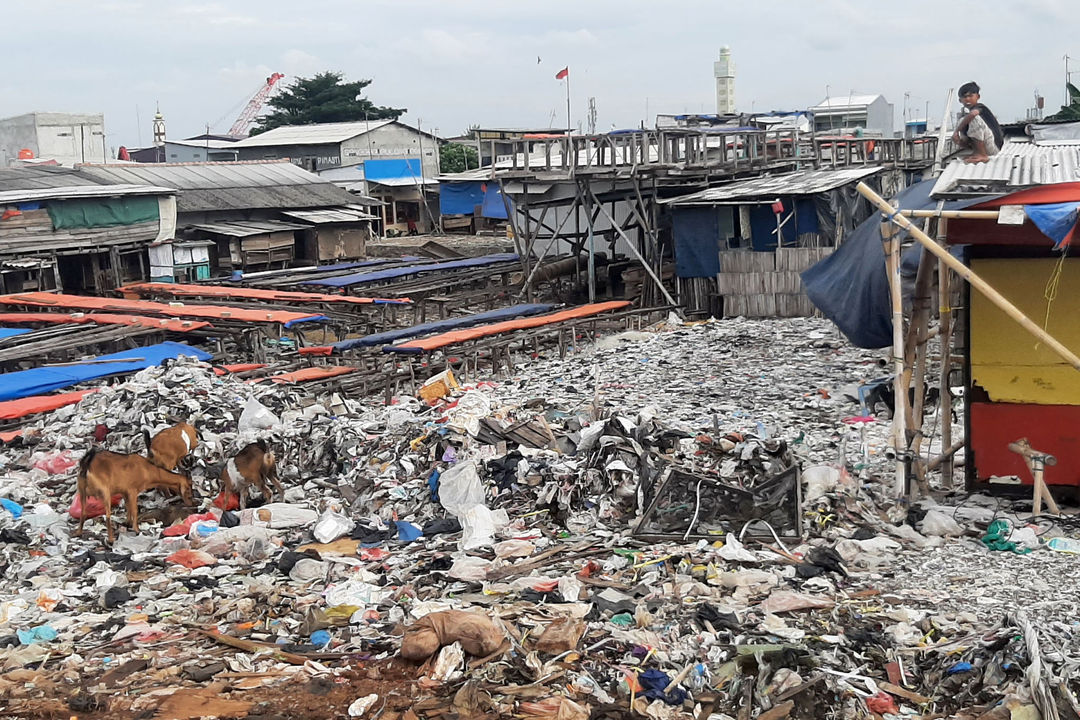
(569, 129)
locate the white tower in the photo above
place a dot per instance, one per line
(724, 70)
(159, 129)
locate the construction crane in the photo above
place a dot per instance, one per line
(254, 106)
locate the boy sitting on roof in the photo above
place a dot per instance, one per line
(978, 129)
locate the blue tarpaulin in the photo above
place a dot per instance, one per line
(391, 273)
(392, 169)
(696, 231)
(438, 326)
(462, 198)
(24, 383)
(850, 286)
(12, 332)
(1055, 220)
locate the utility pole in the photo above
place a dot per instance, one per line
(592, 116)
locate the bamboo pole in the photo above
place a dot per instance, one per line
(952, 214)
(892, 262)
(973, 279)
(945, 344)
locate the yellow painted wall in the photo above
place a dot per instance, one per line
(1006, 360)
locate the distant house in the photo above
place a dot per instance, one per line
(408, 199)
(68, 138)
(63, 229)
(327, 145)
(256, 214)
(211, 148)
(494, 144)
(871, 114)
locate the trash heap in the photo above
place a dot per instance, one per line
(665, 525)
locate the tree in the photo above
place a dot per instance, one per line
(455, 158)
(1070, 112)
(322, 99)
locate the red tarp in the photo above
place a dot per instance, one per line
(82, 302)
(14, 409)
(222, 291)
(311, 373)
(10, 435)
(455, 337)
(317, 350)
(103, 319)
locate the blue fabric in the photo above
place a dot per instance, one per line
(407, 532)
(763, 226)
(654, 681)
(806, 219)
(433, 484)
(696, 231)
(311, 318)
(391, 273)
(6, 332)
(460, 198)
(12, 507)
(1055, 220)
(391, 169)
(436, 326)
(494, 207)
(36, 381)
(851, 287)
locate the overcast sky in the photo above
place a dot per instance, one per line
(455, 63)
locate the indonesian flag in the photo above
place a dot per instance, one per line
(565, 72)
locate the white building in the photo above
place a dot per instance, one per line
(724, 71)
(872, 114)
(327, 145)
(68, 138)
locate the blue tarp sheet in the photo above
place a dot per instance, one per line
(462, 198)
(440, 326)
(12, 332)
(391, 169)
(697, 241)
(391, 273)
(36, 381)
(850, 286)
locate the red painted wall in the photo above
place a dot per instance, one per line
(1054, 429)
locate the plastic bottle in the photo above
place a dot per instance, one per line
(1064, 544)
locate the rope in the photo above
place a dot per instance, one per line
(1053, 285)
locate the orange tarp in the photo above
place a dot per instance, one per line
(237, 293)
(241, 367)
(459, 336)
(311, 373)
(214, 312)
(103, 319)
(10, 435)
(317, 350)
(14, 409)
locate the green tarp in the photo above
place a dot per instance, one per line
(102, 212)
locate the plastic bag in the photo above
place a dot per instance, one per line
(279, 515)
(94, 507)
(460, 488)
(469, 568)
(191, 559)
(471, 407)
(478, 526)
(256, 416)
(56, 462)
(331, 526)
(938, 523)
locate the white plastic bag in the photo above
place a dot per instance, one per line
(279, 515)
(460, 488)
(256, 416)
(331, 526)
(941, 524)
(471, 408)
(469, 568)
(478, 526)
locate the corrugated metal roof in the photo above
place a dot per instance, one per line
(320, 134)
(844, 102)
(1019, 165)
(796, 183)
(403, 181)
(81, 191)
(247, 228)
(230, 186)
(42, 176)
(211, 144)
(333, 215)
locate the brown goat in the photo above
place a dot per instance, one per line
(103, 474)
(254, 465)
(171, 445)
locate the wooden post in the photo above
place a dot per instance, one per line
(892, 263)
(973, 279)
(1036, 462)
